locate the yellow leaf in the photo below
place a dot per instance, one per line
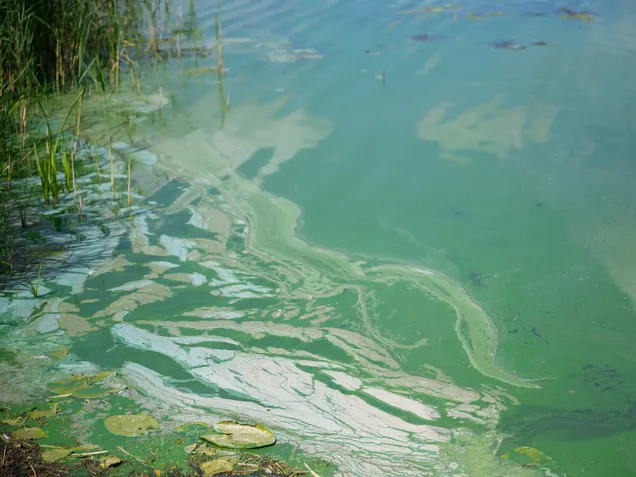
(157, 472)
(109, 461)
(14, 422)
(29, 433)
(52, 455)
(38, 413)
(531, 452)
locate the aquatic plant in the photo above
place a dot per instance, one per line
(35, 288)
(234, 435)
(59, 45)
(47, 167)
(224, 99)
(131, 425)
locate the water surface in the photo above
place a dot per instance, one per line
(407, 247)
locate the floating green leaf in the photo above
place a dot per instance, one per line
(130, 425)
(76, 384)
(234, 435)
(29, 433)
(38, 413)
(68, 385)
(15, 422)
(218, 466)
(51, 455)
(92, 393)
(101, 376)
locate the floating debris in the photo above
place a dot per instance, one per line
(291, 56)
(430, 9)
(200, 71)
(191, 448)
(234, 435)
(583, 16)
(425, 37)
(109, 461)
(483, 16)
(372, 53)
(131, 425)
(508, 45)
(511, 45)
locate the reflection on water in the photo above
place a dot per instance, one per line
(307, 258)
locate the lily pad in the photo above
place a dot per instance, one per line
(218, 466)
(234, 435)
(92, 392)
(109, 461)
(51, 455)
(29, 433)
(14, 422)
(101, 376)
(38, 413)
(68, 385)
(130, 425)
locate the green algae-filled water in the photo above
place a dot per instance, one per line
(408, 247)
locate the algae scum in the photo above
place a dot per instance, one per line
(335, 273)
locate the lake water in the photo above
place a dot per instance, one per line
(407, 246)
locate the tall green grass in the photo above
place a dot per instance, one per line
(55, 47)
(52, 41)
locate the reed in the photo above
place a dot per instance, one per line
(35, 287)
(56, 46)
(56, 49)
(224, 99)
(47, 164)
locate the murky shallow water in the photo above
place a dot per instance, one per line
(393, 252)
